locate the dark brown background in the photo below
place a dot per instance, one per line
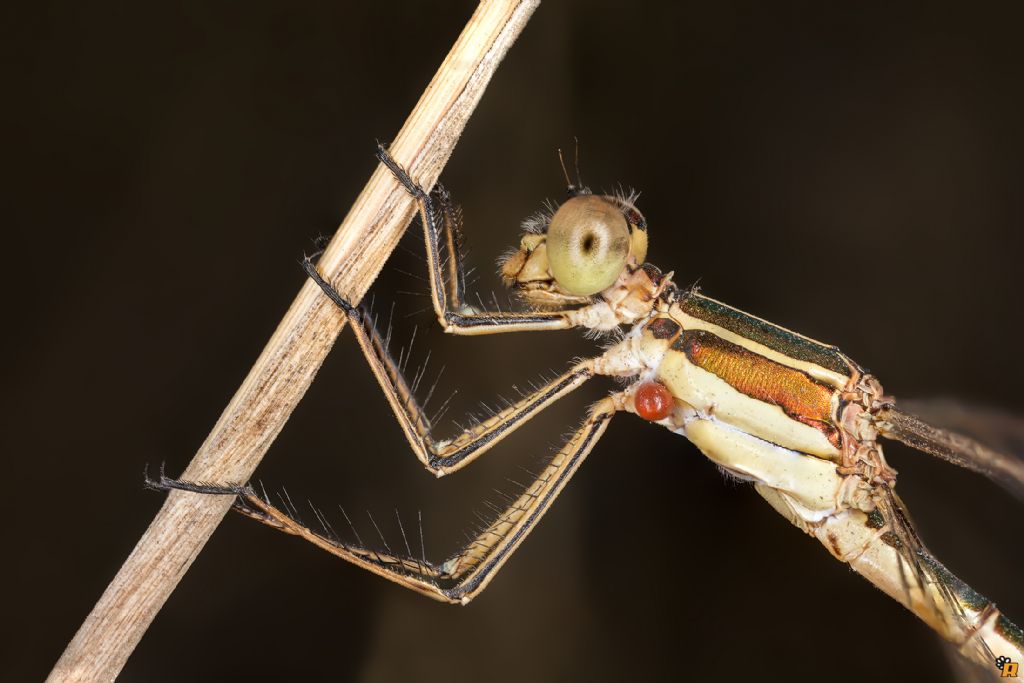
(852, 172)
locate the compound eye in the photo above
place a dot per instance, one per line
(588, 244)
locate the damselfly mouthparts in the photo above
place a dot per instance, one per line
(795, 417)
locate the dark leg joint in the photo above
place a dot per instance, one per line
(331, 292)
(165, 483)
(400, 173)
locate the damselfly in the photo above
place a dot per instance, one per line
(795, 417)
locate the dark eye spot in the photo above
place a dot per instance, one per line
(588, 242)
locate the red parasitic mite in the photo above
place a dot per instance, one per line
(653, 401)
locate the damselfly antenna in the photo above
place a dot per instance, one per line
(577, 188)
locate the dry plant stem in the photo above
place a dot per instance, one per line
(294, 353)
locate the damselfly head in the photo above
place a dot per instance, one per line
(577, 252)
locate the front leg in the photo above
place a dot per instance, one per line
(442, 235)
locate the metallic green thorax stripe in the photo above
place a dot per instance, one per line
(1009, 630)
(763, 332)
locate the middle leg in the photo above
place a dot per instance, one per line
(448, 455)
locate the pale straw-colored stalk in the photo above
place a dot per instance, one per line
(292, 357)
